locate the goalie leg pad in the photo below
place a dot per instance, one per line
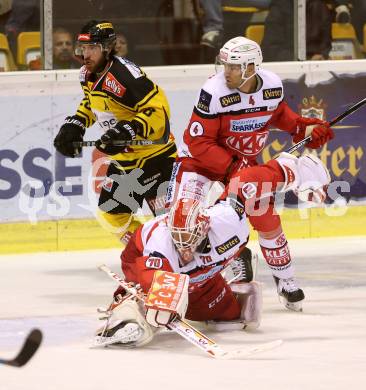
(249, 296)
(127, 327)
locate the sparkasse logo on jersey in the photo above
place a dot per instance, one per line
(250, 124)
(112, 85)
(272, 93)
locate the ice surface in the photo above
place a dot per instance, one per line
(324, 347)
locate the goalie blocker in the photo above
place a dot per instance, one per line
(167, 298)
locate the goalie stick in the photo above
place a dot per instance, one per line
(192, 334)
(29, 348)
(337, 119)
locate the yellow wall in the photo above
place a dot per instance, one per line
(66, 235)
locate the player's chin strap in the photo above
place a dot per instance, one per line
(191, 334)
(245, 79)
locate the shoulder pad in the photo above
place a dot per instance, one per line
(212, 89)
(270, 79)
(134, 70)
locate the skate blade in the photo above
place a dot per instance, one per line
(293, 306)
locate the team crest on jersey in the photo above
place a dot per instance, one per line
(272, 93)
(227, 245)
(312, 108)
(204, 101)
(111, 85)
(229, 100)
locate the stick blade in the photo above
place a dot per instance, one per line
(29, 348)
(244, 353)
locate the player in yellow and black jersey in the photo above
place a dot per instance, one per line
(128, 106)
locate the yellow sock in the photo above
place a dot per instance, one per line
(122, 225)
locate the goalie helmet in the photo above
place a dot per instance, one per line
(96, 33)
(188, 226)
(241, 51)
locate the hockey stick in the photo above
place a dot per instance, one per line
(337, 119)
(138, 142)
(192, 334)
(29, 348)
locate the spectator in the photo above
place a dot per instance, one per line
(342, 10)
(213, 20)
(5, 7)
(278, 41)
(354, 12)
(63, 50)
(212, 24)
(121, 45)
(24, 16)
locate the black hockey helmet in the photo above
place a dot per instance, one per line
(97, 33)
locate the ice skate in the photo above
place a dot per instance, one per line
(289, 293)
(242, 268)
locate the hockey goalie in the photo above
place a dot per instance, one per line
(174, 261)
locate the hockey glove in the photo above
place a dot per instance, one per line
(319, 130)
(71, 131)
(167, 298)
(123, 131)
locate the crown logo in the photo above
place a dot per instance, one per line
(312, 108)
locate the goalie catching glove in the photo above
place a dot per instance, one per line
(123, 131)
(72, 130)
(319, 131)
(167, 298)
(133, 323)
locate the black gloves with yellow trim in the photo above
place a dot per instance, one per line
(72, 130)
(122, 131)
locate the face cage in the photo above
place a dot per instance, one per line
(196, 236)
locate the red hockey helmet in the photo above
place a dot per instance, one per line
(188, 226)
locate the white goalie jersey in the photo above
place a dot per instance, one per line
(228, 232)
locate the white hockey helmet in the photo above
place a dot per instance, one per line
(188, 226)
(241, 51)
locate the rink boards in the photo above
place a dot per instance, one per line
(63, 235)
(48, 202)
